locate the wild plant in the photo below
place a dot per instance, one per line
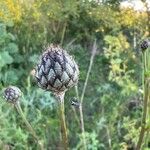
(12, 94)
(57, 72)
(145, 123)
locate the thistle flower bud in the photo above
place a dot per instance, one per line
(57, 71)
(145, 44)
(12, 94)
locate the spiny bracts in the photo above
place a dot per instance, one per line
(57, 71)
(12, 94)
(145, 44)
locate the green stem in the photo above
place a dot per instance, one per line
(109, 137)
(74, 110)
(18, 107)
(64, 135)
(145, 106)
(63, 33)
(148, 115)
(148, 121)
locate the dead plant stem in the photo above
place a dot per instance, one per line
(83, 93)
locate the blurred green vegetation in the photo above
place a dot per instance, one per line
(112, 103)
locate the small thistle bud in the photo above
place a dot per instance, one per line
(12, 94)
(145, 44)
(57, 70)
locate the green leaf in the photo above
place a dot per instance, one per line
(3, 33)
(11, 36)
(11, 48)
(18, 58)
(5, 59)
(10, 77)
(33, 58)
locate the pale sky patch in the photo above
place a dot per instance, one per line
(137, 5)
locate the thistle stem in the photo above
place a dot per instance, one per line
(145, 106)
(19, 109)
(64, 135)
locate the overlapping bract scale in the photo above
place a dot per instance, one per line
(57, 71)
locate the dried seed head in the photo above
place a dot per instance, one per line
(57, 70)
(145, 44)
(12, 94)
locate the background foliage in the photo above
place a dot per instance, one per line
(112, 103)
